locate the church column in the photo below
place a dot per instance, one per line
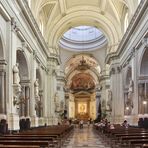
(32, 96)
(117, 94)
(41, 103)
(22, 101)
(135, 81)
(2, 87)
(2, 93)
(52, 89)
(27, 96)
(98, 101)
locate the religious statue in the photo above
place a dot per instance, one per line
(130, 94)
(57, 103)
(36, 88)
(62, 105)
(16, 77)
(109, 102)
(129, 101)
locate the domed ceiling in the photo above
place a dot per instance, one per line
(83, 38)
(55, 17)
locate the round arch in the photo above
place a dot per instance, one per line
(77, 56)
(144, 63)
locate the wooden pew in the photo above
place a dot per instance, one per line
(19, 146)
(131, 136)
(25, 142)
(43, 136)
(145, 146)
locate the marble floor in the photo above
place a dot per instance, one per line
(84, 138)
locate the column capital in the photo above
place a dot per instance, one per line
(14, 25)
(3, 64)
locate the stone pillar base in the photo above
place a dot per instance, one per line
(3, 116)
(52, 120)
(41, 121)
(132, 119)
(118, 119)
(13, 121)
(46, 120)
(34, 121)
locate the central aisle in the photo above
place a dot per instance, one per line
(85, 138)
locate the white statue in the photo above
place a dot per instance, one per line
(130, 94)
(36, 88)
(109, 102)
(16, 77)
(129, 102)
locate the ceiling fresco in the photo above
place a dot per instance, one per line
(82, 82)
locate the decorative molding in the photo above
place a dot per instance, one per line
(14, 26)
(4, 13)
(119, 69)
(32, 22)
(3, 64)
(112, 71)
(62, 7)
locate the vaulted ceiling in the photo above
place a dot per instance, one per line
(109, 17)
(58, 16)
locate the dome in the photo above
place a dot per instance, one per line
(83, 38)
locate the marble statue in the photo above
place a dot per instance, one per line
(129, 102)
(36, 88)
(130, 94)
(16, 77)
(109, 102)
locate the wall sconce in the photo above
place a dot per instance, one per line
(144, 102)
(127, 108)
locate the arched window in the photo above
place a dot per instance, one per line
(29, 3)
(126, 22)
(139, 2)
(41, 26)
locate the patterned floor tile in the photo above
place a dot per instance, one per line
(85, 138)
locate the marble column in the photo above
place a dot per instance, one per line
(98, 96)
(41, 103)
(22, 101)
(2, 93)
(27, 96)
(117, 94)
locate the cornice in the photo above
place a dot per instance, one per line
(131, 28)
(54, 58)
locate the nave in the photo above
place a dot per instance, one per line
(83, 138)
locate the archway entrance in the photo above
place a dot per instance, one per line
(82, 83)
(24, 97)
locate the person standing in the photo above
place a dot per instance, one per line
(81, 124)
